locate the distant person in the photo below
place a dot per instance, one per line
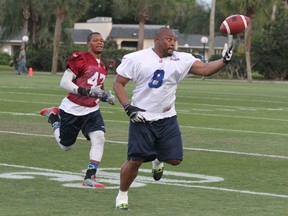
(79, 111)
(154, 133)
(22, 62)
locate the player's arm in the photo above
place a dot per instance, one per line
(206, 69)
(68, 84)
(119, 89)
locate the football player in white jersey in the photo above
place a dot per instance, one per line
(84, 81)
(154, 134)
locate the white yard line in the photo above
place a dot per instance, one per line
(189, 149)
(113, 178)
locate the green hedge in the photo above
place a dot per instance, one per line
(5, 58)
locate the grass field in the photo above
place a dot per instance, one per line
(235, 153)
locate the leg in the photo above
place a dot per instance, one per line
(158, 167)
(25, 69)
(19, 68)
(129, 172)
(96, 152)
(169, 147)
(173, 162)
(53, 118)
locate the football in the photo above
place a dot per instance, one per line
(234, 24)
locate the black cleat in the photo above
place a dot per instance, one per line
(157, 173)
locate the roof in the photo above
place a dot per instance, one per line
(16, 37)
(131, 31)
(79, 35)
(194, 40)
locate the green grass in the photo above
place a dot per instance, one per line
(232, 130)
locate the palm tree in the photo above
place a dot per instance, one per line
(211, 29)
(15, 17)
(64, 9)
(27, 18)
(143, 11)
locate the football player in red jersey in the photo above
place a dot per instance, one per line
(84, 80)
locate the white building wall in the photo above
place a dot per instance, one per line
(102, 25)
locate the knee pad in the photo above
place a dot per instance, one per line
(97, 145)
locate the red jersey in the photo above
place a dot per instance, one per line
(88, 73)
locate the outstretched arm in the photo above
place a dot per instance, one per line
(206, 69)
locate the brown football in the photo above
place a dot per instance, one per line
(234, 24)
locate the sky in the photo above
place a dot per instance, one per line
(205, 1)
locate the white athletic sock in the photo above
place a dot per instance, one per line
(97, 145)
(156, 164)
(122, 197)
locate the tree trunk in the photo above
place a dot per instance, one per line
(26, 15)
(274, 12)
(141, 34)
(35, 19)
(212, 31)
(57, 38)
(143, 15)
(247, 52)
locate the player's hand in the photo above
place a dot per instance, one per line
(109, 98)
(227, 53)
(96, 92)
(134, 113)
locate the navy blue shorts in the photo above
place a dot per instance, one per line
(158, 139)
(71, 126)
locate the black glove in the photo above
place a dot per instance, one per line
(83, 91)
(133, 113)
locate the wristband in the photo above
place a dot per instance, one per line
(83, 91)
(104, 98)
(225, 61)
(125, 104)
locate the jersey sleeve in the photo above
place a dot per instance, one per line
(76, 63)
(127, 68)
(187, 62)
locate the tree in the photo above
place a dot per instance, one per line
(270, 46)
(97, 8)
(143, 11)
(212, 29)
(15, 18)
(255, 9)
(64, 9)
(191, 17)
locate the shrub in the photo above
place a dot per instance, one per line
(5, 58)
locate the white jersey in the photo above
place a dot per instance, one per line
(156, 80)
